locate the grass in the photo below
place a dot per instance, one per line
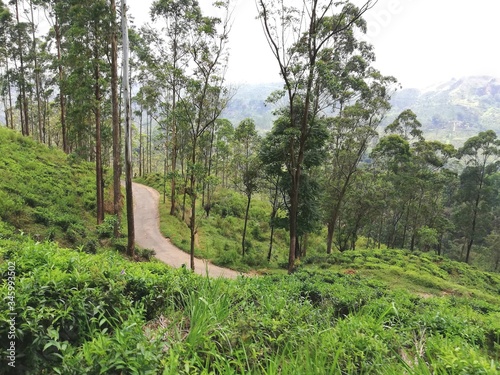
(358, 312)
(43, 193)
(50, 195)
(83, 313)
(219, 235)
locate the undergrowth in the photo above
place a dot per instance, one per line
(80, 313)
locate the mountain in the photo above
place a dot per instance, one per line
(453, 111)
(249, 101)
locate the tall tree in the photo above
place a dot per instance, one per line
(180, 18)
(205, 95)
(351, 132)
(117, 194)
(23, 102)
(246, 138)
(128, 131)
(481, 154)
(297, 37)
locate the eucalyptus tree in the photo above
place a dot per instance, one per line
(20, 46)
(179, 18)
(34, 57)
(58, 16)
(204, 96)
(298, 36)
(115, 118)
(87, 38)
(276, 154)
(407, 126)
(481, 155)
(248, 165)
(361, 104)
(128, 129)
(6, 25)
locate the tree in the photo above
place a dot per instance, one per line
(351, 133)
(205, 96)
(407, 126)
(276, 154)
(6, 26)
(480, 154)
(117, 172)
(128, 135)
(180, 18)
(247, 139)
(297, 37)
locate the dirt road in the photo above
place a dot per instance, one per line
(148, 235)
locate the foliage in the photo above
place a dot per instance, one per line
(80, 313)
(43, 193)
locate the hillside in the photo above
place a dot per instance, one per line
(78, 313)
(452, 111)
(44, 193)
(65, 311)
(249, 102)
(455, 110)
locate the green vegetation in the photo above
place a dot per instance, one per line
(219, 235)
(81, 313)
(44, 193)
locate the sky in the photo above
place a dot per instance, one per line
(420, 42)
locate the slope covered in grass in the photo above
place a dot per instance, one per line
(43, 193)
(219, 235)
(79, 313)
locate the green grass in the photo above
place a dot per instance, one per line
(48, 194)
(41, 193)
(80, 313)
(220, 234)
(358, 312)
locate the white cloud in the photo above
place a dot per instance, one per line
(420, 42)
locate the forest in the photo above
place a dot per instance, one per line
(327, 167)
(364, 248)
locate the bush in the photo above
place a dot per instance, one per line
(107, 228)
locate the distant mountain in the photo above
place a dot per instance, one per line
(450, 112)
(455, 110)
(249, 102)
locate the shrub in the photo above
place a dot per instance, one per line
(106, 229)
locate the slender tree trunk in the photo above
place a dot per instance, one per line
(115, 117)
(192, 193)
(98, 141)
(274, 212)
(329, 236)
(174, 150)
(210, 153)
(141, 152)
(128, 134)
(150, 142)
(41, 130)
(243, 249)
(474, 219)
(62, 103)
(11, 112)
(294, 204)
(23, 99)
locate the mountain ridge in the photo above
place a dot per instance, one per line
(450, 111)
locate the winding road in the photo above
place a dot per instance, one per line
(148, 235)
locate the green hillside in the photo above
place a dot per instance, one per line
(361, 312)
(455, 110)
(44, 193)
(64, 311)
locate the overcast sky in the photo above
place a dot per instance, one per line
(420, 42)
